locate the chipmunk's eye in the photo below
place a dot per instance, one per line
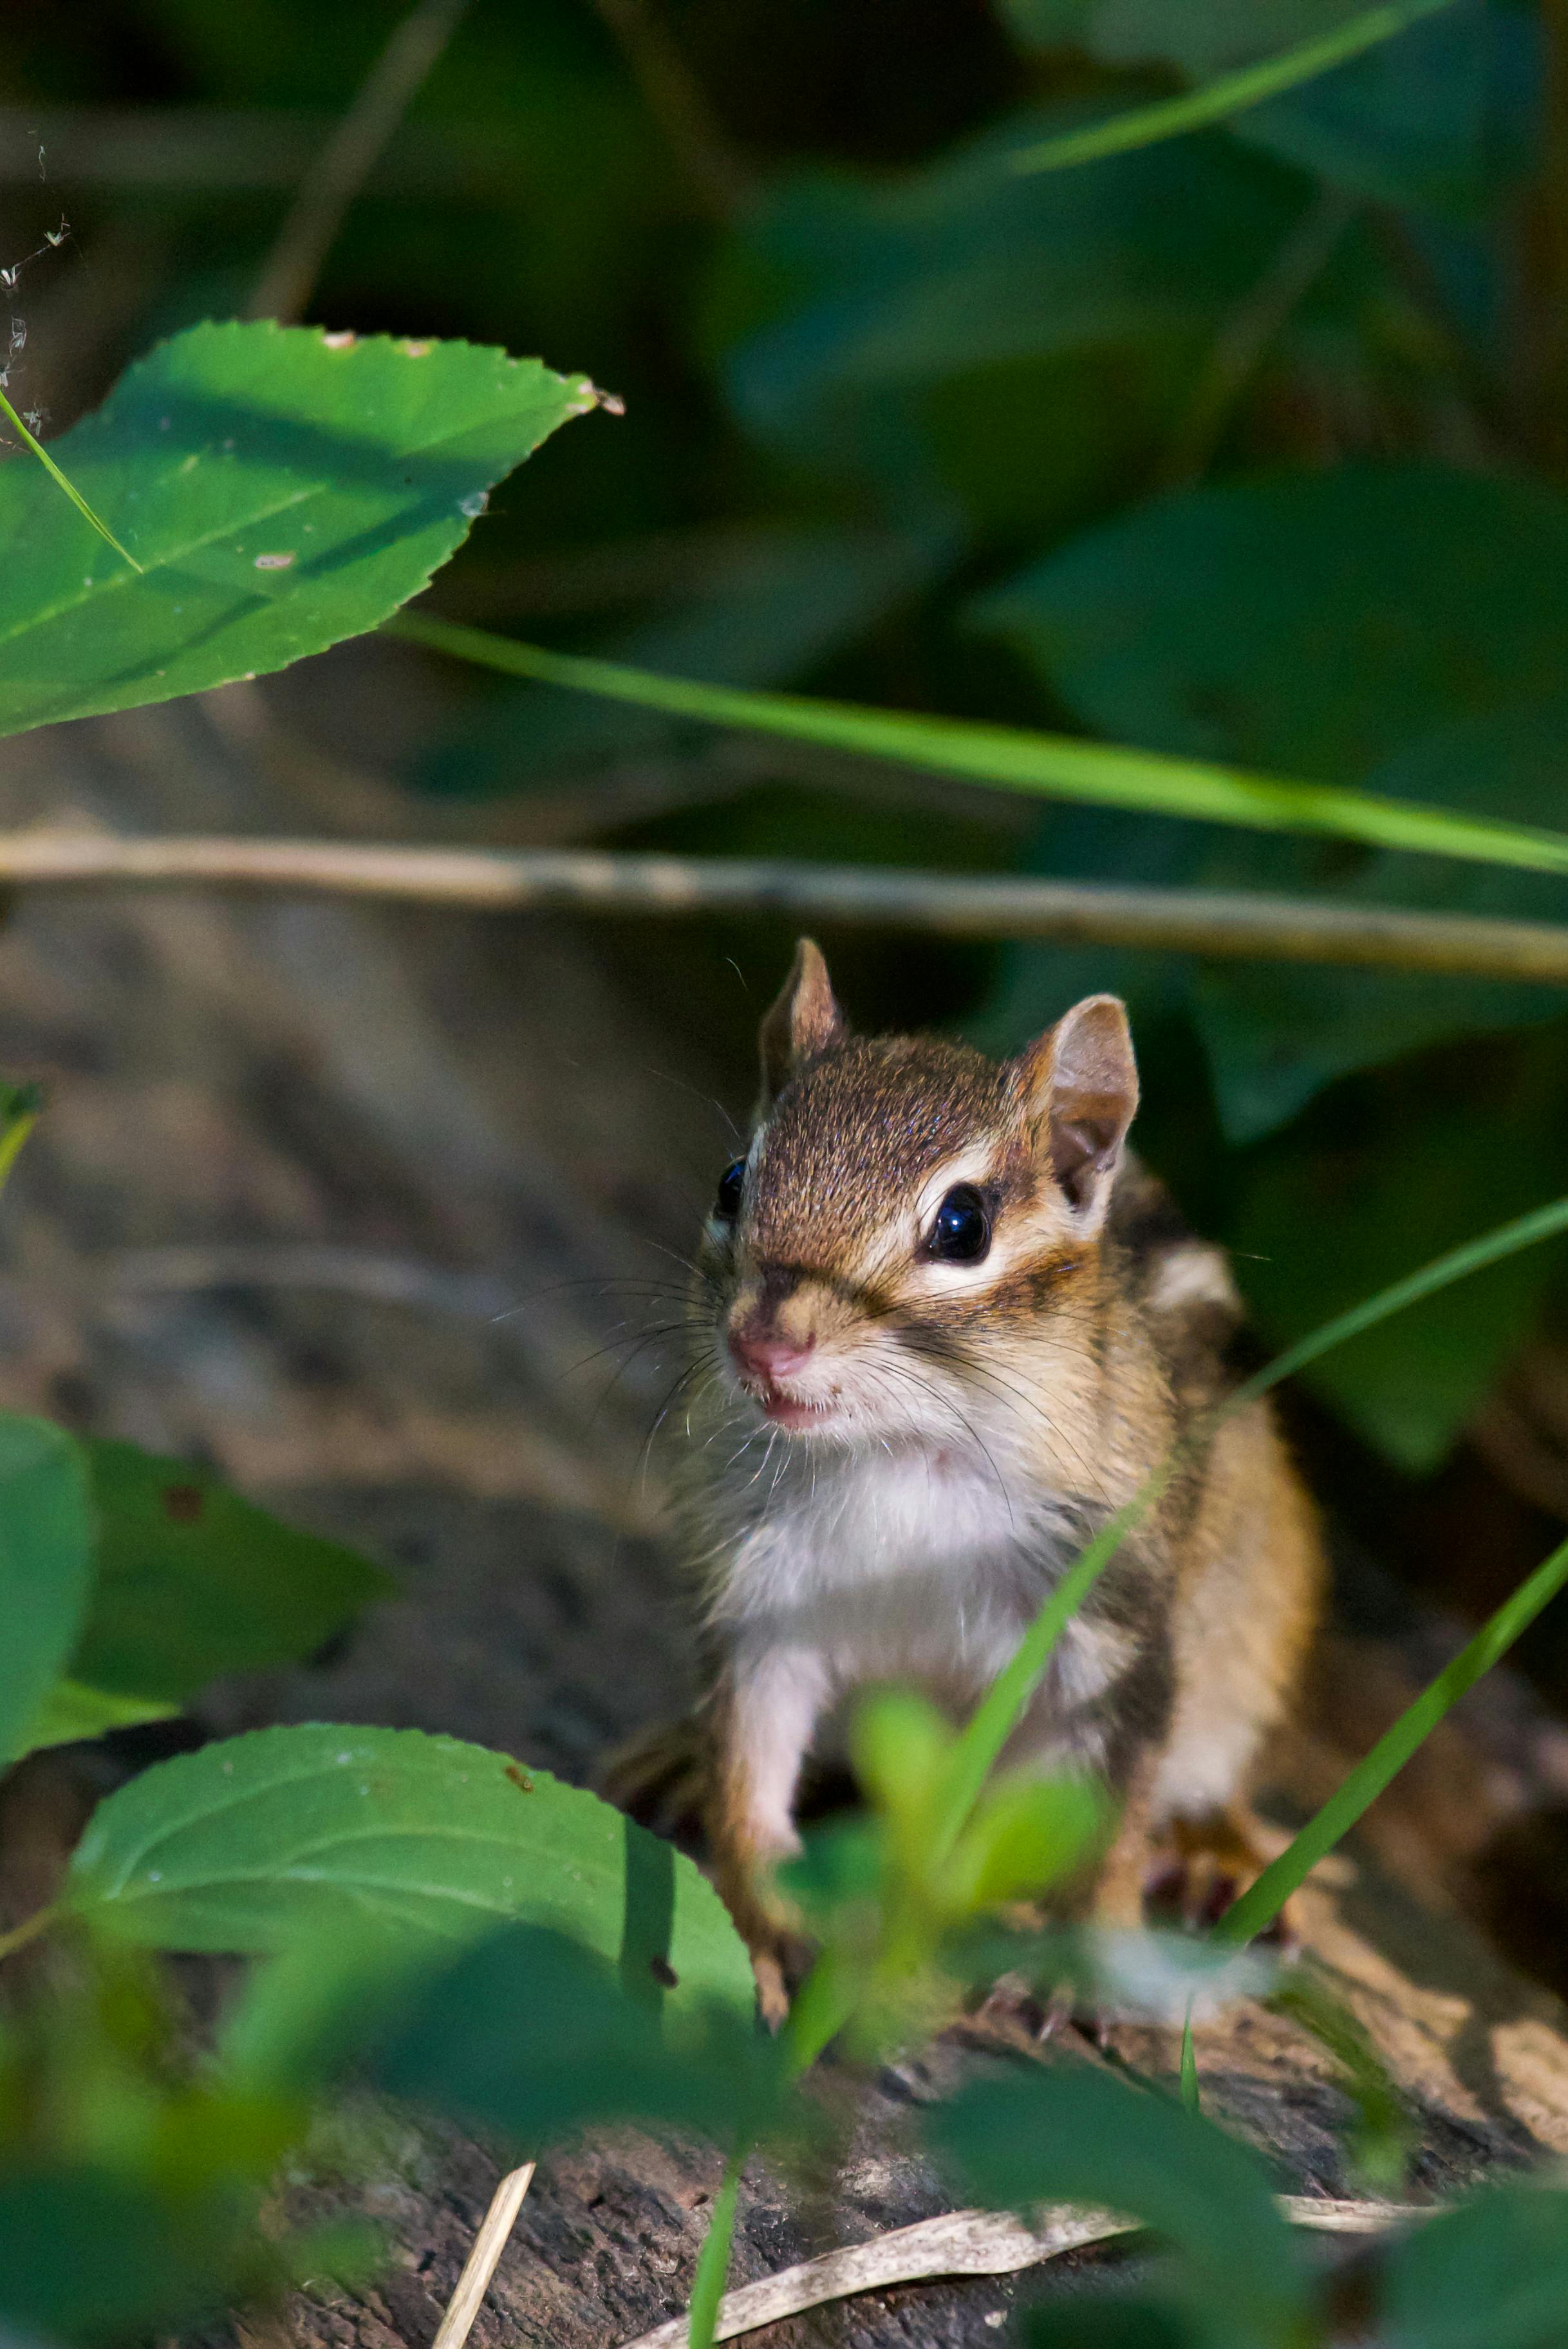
(727, 1206)
(961, 1231)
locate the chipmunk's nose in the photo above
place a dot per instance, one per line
(765, 1355)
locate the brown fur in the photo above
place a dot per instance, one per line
(1092, 1336)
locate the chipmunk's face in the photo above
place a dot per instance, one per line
(910, 1219)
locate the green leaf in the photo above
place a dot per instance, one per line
(90, 2255)
(1072, 2135)
(46, 1538)
(1055, 765)
(1315, 622)
(1230, 94)
(280, 488)
(865, 296)
(1447, 119)
(1490, 2275)
(194, 1582)
(1381, 1180)
(72, 1711)
(261, 1842)
(529, 2032)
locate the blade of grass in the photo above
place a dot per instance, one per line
(20, 1108)
(1008, 757)
(1192, 2094)
(999, 1711)
(61, 482)
(1261, 1903)
(1228, 93)
(713, 2259)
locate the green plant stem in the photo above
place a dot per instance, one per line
(1228, 93)
(1261, 1903)
(998, 1712)
(1057, 766)
(29, 1930)
(713, 2259)
(61, 482)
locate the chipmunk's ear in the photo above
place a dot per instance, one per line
(1081, 1091)
(804, 1021)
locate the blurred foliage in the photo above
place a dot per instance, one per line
(1251, 443)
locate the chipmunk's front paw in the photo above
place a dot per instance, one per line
(780, 1965)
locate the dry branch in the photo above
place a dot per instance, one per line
(1202, 922)
(969, 2242)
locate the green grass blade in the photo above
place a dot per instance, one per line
(999, 1711)
(1261, 1903)
(1192, 2094)
(21, 1107)
(1057, 766)
(61, 482)
(1228, 93)
(713, 2259)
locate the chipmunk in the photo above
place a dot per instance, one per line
(948, 1327)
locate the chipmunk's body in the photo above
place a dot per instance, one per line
(951, 1328)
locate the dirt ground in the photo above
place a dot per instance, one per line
(380, 1214)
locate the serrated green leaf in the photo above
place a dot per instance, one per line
(261, 1842)
(280, 488)
(46, 1538)
(194, 1582)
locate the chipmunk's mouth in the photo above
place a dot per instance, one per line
(785, 1410)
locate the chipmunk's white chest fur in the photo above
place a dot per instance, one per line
(919, 1562)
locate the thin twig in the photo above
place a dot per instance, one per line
(679, 106)
(482, 2261)
(1179, 921)
(970, 2242)
(347, 158)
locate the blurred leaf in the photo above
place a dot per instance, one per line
(1072, 2135)
(1448, 117)
(71, 1711)
(88, 2256)
(1312, 623)
(1392, 1177)
(529, 2032)
(282, 489)
(1228, 94)
(261, 1841)
(851, 301)
(1276, 1036)
(194, 1582)
(1214, 38)
(778, 603)
(1048, 23)
(47, 1541)
(1491, 2273)
(1111, 2322)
